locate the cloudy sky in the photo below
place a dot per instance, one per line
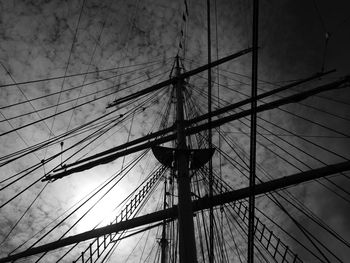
(126, 46)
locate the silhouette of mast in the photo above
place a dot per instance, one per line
(253, 123)
(187, 243)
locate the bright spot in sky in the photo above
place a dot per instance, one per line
(104, 211)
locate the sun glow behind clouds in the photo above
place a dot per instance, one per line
(100, 212)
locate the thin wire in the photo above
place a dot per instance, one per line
(51, 158)
(23, 214)
(77, 74)
(90, 193)
(87, 84)
(129, 166)
(66, 69)
(315, 221)
(72, 131)
(18, 134)
(343, 157)
(314, 218)
(296, 115)
(342, 189)
(124, 49)
(286, 232)
(272, 83)
(320, 16)
(26, 98)
(90, 62)
(290, 135)
(66, 110)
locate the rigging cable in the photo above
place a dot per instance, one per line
(90, 62)
(77, 75)
(23, 214)
(67, 65)
(314, 218)
(328, 189)
(127, 169)
(66, 133)
(130, 29)
(131, 165)
(51, 158)
(271, 83)
(87, 84)
(328, 150)
(326, 34)
(36, 167)
(94, 190)
(102, 116)
(300, 103)
(66, 110)
(26, 98)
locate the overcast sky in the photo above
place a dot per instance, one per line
(45, 39)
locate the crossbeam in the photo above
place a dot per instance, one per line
(201, 204)
(195, 120)
(113, 154)
(181, 76)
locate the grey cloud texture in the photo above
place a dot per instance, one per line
(35, 42)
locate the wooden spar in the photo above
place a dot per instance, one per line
(258, 97)
(197, 119)
(171, 213)
(113, 153)
(181, 76)
(253, 123)
(210, 143)
(187, 242)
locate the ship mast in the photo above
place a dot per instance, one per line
(187, 244)
(182, 162)
(184, 210)
(253, 132)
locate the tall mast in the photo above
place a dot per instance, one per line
(187, 244)
(253, 119)
(211, 211)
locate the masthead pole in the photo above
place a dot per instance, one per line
(187, 244)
